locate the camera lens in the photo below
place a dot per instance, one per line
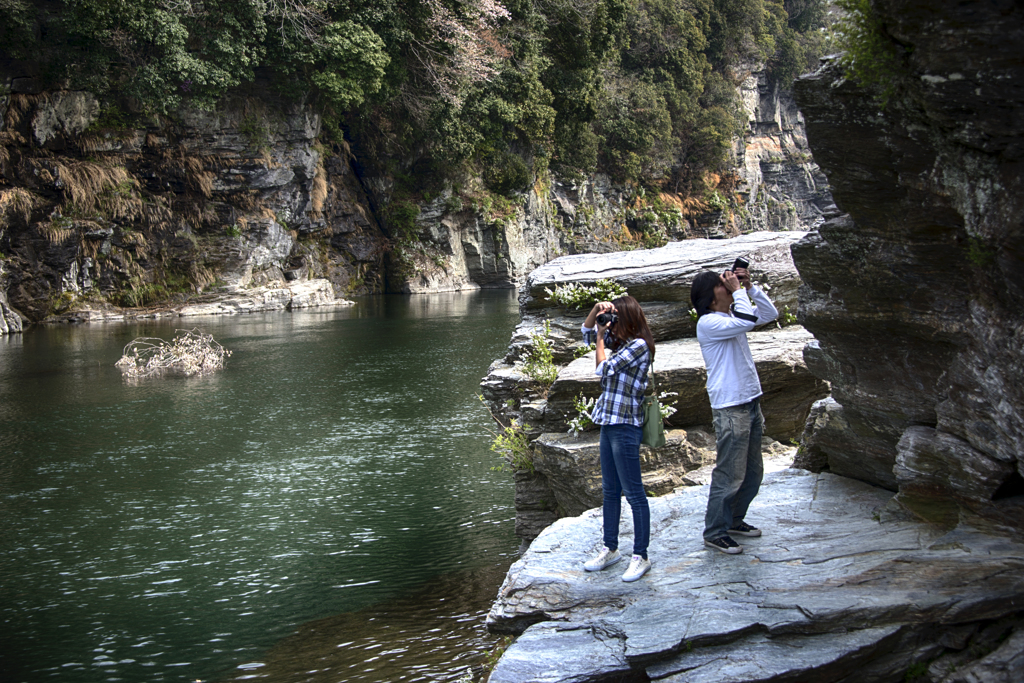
(606, 318)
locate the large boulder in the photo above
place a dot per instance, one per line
(572, 465)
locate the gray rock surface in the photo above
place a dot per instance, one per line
(572, 465)
(841, 583)
(665, 274)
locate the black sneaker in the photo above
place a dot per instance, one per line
(725, 544)
(744, 529)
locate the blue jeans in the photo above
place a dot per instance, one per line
(738, 467)
(620, 472)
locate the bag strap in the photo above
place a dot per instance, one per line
(654, 380)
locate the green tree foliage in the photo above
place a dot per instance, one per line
(871, 56)
(438, 90)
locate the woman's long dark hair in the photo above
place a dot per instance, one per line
(632, 324)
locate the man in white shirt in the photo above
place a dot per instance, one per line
(726, 314)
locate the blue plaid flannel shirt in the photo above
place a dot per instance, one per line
(623, 382)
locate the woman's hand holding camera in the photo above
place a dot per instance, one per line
(598, 309)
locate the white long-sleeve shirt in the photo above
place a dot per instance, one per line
(732, 377)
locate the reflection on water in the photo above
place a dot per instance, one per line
(436, 634)
(180, 528)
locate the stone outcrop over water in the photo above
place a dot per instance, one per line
(566, 471)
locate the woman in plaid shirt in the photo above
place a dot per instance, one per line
(619, 412)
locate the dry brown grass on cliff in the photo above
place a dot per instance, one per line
(201, 276)
(90, 186)
(197, 177)
(247, 201)
(56, 232)
(16, 201)
(19, 105)
(688, 206)
(157, 215)
(318, 192)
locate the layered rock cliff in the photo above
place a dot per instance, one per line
(105, 214)
(915, 290)
(109, 215)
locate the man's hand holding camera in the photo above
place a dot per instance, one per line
(731, 280)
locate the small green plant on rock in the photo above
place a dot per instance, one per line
(582, 420)
(786, 317)
(578, 296)
(540, 362)
(582, 350)
(513, 445)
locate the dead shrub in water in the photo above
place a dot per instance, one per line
(190, 353)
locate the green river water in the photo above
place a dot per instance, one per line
(322, 509)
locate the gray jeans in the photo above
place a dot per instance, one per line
(738, 467)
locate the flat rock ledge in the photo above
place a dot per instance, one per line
(287, 296)
(843, 586)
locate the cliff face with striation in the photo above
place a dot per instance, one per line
(915, 290)
(781, 186)
(100, 215)
(105, 216)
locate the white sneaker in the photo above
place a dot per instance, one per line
(638, 566)
(605, 558)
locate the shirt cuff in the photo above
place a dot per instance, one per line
(599, 370)
(584, 329)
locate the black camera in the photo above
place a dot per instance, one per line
(607, 318)
(740, 262)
